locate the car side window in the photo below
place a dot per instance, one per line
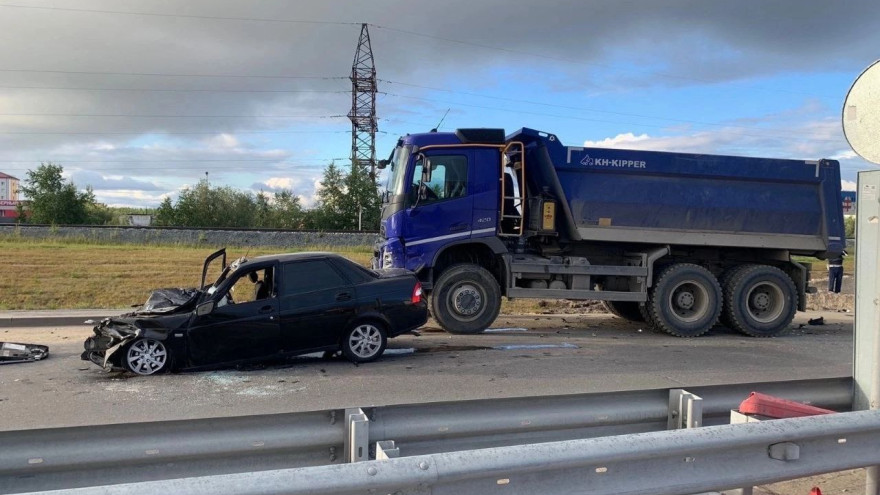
(301, 277)
(449, 178)
(252, 285)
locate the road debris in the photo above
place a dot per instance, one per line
(11, 353)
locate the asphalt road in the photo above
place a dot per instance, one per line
(589, 353)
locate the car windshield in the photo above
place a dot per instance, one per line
(396, 180)
(225, 273)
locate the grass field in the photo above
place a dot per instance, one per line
(72, 275)
(82, 274)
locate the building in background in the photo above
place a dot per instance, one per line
(8, 197)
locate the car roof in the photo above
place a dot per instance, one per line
(307, 255)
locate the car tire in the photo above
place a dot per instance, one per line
(146, 357)
(466, 299)
(628, 310)
(686, 300)
(364, 342)
(760, 301)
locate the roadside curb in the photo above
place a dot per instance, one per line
(60, 318)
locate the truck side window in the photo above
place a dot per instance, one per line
(448, 177)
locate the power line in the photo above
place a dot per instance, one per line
(170, 90)
(571, 117)
(580, 109)
(181, 16)
(163, 116)
(165, 74)
(519, 52)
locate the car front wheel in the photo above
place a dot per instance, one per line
(147, 357)
(365, 342)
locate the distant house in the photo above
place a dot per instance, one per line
(8, 197)
(848, 200)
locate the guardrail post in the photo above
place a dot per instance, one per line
(866, 344)
(357, 435)
(685, 410)
(386, 449)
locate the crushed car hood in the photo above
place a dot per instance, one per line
(164, 301)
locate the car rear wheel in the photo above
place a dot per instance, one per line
(365, 342)
(147, 357)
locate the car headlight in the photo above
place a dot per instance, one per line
(387, 259)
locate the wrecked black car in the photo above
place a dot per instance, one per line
(263, 308)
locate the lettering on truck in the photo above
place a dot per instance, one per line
(608, 162)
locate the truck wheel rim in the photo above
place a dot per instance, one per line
(467, 300)
(365, 341)
(689, 301)
(765, 302)
(146, 356)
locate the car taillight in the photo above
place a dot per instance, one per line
(417, 293)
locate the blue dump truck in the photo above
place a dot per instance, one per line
(680, 241)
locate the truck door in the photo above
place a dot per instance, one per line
(443, 212)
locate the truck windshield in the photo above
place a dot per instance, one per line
(396, 181)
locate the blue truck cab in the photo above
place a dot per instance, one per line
(676, 240)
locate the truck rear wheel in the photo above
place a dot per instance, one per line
(466, 299)
(628, 310)
(760, 301)
(685, 300)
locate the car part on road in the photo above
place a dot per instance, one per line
(364, 343)
(466, 299)
(760, 300)
(686, 300)
(11, 352)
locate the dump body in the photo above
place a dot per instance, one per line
(689, 199)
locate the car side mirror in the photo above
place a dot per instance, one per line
(205, 308)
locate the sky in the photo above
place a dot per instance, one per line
(141, 98)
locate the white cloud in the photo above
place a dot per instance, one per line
(847, 185)
(844, 155)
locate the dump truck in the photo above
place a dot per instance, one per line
(680, 241)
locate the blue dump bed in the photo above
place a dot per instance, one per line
(689, 199)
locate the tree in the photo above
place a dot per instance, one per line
(346, 200)
(287, 213)
(52, 199)
(166, 215)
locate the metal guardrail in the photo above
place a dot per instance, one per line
(33, 460)
(658, 463)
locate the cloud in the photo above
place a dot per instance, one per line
(99, 182)
(847, 185)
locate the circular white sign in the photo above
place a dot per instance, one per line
(861, 114)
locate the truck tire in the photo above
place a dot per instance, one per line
(685, 300)
(725, 280)
(760, 301)
(466, 299)
(628, 310)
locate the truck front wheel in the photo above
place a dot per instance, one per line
(760, 301)
(466, 299)
(685, 301)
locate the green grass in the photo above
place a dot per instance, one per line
(78, 274)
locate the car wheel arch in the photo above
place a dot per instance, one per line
(375, 318)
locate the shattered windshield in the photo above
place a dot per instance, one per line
(397, 177)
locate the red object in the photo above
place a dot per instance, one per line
(774, 407)
(815, 491)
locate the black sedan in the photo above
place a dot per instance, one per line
(261, 308)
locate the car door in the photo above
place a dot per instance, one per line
(316, 302)
(246, 328)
